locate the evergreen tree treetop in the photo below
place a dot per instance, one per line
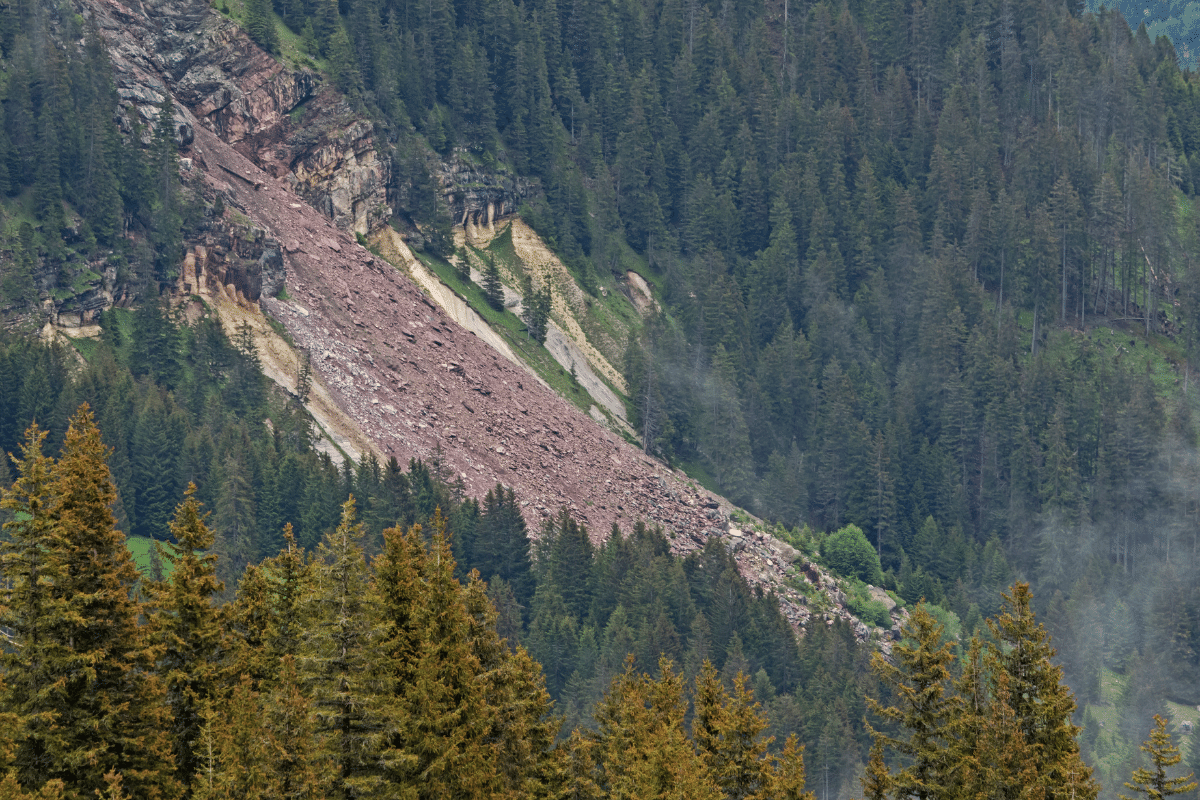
(1155, 785)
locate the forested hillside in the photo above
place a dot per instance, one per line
(1178, 21)
(929, 269)
(338, 674)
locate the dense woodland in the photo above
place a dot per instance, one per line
(927, 268)
(334, 674)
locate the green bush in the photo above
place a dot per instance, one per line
(847, 552)
(872, 612)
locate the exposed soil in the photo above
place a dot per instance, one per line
(570, 346)
(340, 435)
(410, 377)
(568, 298)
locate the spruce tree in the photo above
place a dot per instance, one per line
(288, 721)
(493, 287)
(340, 664)
(919, 676)
(11, 729)
(249, 620)
(260, 25)
(727, 731)
(287, 577)
(1041, 703)
(1163, 754)
(109, 706)
(186, 629)
(640, 748)
(235, 761)
(30, 610)
(518, 708)
(441, 749)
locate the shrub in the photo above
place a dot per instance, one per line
(848, 553)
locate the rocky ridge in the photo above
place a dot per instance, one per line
(393, 361)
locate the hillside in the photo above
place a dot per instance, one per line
(913, 284)
(394, 373)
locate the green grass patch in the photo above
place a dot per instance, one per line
(85, 346)
(1104, 747)
(141, 547)
(607, 319)
(699, 473)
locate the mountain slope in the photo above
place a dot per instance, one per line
(395, 363)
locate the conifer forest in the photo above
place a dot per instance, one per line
(922, 297)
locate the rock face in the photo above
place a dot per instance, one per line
(478, 196)
(283, 120)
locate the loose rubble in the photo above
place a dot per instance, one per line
(406, 373)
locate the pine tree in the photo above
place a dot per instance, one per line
(1163, 754)
(287, 718)
(186, 629)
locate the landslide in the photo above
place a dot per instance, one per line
(399, 368)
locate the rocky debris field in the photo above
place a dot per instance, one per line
(401, 370)
(414, 380)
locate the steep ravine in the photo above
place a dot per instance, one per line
(400, 368)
